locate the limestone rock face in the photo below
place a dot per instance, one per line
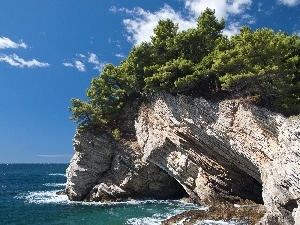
(88, 164)
(226, 150)
(214, 151)
(103, 170)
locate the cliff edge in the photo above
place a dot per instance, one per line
(212, 151)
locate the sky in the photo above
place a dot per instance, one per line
(51, 49)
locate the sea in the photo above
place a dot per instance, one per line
(28, 196)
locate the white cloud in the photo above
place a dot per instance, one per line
(113, 9)
(94, 60)
(289, 2)
(81, 63)
(232, 29)
(7, 43)
(81, 55)
(120, 55)
(249, 19)
(16, 61)
(223, 8)
(260, 4)
(9, 60)
(140, 26)
(13, 59)
(80, 66)
(196, 7)
(68, 64)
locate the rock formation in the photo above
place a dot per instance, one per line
(216, 151)
(103, 169)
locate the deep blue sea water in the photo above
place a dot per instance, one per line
(28, 196)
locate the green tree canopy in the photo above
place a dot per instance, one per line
(262, 63)
(201, 60)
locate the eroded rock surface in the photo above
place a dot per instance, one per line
(224, 151)
(103, 169)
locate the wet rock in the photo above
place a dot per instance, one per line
(249, 214)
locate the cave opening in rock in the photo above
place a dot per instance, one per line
(172, 190)
(250, 189)
(179, 191)
(246, 187)
(163, 185)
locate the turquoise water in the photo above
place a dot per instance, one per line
(27, 196)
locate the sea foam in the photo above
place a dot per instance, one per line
(144, 221)
(172, 207)
(55, 184)
(43, 197)
(50, 197)
(57, 174)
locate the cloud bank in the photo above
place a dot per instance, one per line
(141, 24)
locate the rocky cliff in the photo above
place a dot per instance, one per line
(213, 151)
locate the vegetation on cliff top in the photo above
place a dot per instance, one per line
(199, 61)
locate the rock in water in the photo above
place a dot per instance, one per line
(103, 169)
(216, 151)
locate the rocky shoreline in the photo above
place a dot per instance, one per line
(248, 213)
(225, 151)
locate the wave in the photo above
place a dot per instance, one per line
(47, 197)
(158, 218)
(147, 220)
(173, 207)
(57, 174)
(170, 207)
(55, 184)
(43, 197)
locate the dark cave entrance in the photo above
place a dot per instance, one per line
(236, 187)
(244, 186)
(172, 190)
(164, 186)
(179, 191)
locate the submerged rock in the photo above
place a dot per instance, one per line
(249, 214)
(61, 192)
(214, 151)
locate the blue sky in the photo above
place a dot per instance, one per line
(50, 50)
